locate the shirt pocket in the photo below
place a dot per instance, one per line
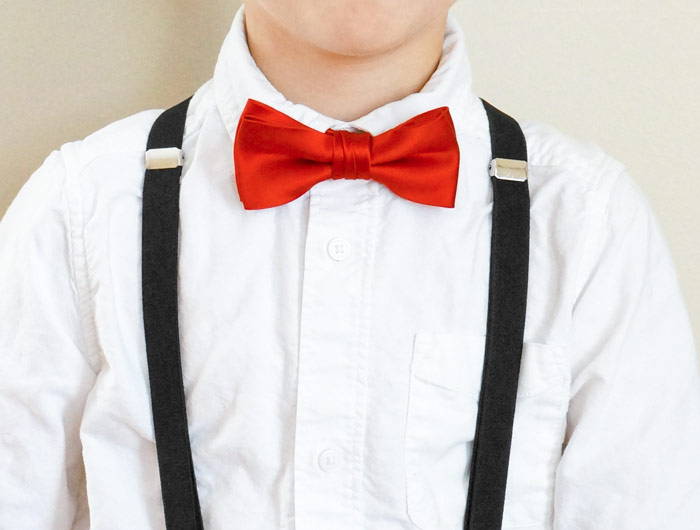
(443, 400)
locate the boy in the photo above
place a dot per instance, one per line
(333, 313)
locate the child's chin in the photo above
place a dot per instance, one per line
(356, 27)
(357, 37)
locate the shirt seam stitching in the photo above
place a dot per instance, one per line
(79, 265)
(588, 233)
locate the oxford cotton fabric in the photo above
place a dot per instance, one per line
(332, 346)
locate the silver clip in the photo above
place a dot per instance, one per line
(164, 158)
(508, 169)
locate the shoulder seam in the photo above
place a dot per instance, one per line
(79, 266)
(588, 232)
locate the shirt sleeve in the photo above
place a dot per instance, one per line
(630, 459)
(45, 375)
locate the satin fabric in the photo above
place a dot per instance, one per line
(277, 159)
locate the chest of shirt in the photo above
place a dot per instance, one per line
(345, 325)
(346, 255)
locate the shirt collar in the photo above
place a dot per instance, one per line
(238, 78)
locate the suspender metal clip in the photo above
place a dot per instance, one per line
(164, 158)
(508, 169)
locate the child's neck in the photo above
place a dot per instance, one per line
(342, 87)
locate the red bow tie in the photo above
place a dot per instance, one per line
(277, 159)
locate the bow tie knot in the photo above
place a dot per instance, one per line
(277, 159)
(351, 154)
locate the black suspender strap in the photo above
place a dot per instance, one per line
(510, 236)
(160, 220)
(504, 333)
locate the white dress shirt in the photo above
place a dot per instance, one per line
(332, 346)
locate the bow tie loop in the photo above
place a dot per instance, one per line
(352, 153)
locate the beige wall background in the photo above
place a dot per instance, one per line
(624, 74)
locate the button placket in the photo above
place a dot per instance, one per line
(328, 470)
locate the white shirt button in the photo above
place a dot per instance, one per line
(329, 459)
(338, 248)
